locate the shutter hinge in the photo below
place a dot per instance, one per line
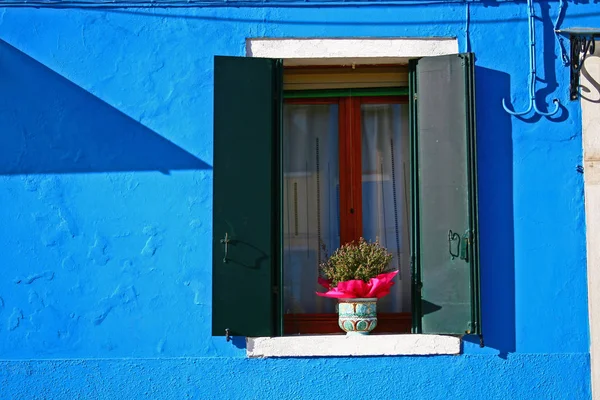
(465, 243)
(415, 97)
(418, 285)
(473, 327)
(275, 289)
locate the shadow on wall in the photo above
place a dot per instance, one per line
(51, 125)
(591, 90)
(496, 220)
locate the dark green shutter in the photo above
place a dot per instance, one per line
(445, 234)
(247, 115)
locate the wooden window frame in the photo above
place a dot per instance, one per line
(350, 167)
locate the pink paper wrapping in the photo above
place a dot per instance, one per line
(358, 289)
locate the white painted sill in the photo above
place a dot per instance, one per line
(346, 346)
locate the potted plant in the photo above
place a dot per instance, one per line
(357, 274)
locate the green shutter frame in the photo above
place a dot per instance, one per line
(445, 243)
(414, 198)
(246, 185)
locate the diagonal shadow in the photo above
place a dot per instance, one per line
(51, 125)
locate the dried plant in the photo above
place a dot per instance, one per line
(363, 260)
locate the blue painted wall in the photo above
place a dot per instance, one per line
(105, 208)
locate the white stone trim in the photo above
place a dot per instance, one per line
(345, 346)
(590, 114)
(348, 51)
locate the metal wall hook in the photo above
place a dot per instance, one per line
(532, 72)
(533, 105)
(516, 112)
(549, 113)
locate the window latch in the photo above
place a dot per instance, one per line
(459, 246)
(225, 242)
(453, 237)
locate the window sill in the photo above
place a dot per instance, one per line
(345, 346)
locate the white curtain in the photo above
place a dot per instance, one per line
(385, 192)
(311, 203)
(311, 198)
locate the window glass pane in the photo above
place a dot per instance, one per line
(310, 202)
(385, 192)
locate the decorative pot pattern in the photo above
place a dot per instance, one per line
(357, 316)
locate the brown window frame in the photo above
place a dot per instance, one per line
(350, 167)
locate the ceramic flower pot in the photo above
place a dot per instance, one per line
(357, 316)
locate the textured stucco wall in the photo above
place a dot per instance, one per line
(105, 216)
(432, 378)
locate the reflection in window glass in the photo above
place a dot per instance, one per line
(385, 191)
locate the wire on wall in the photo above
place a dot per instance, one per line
(112, 4)
(563, 50)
